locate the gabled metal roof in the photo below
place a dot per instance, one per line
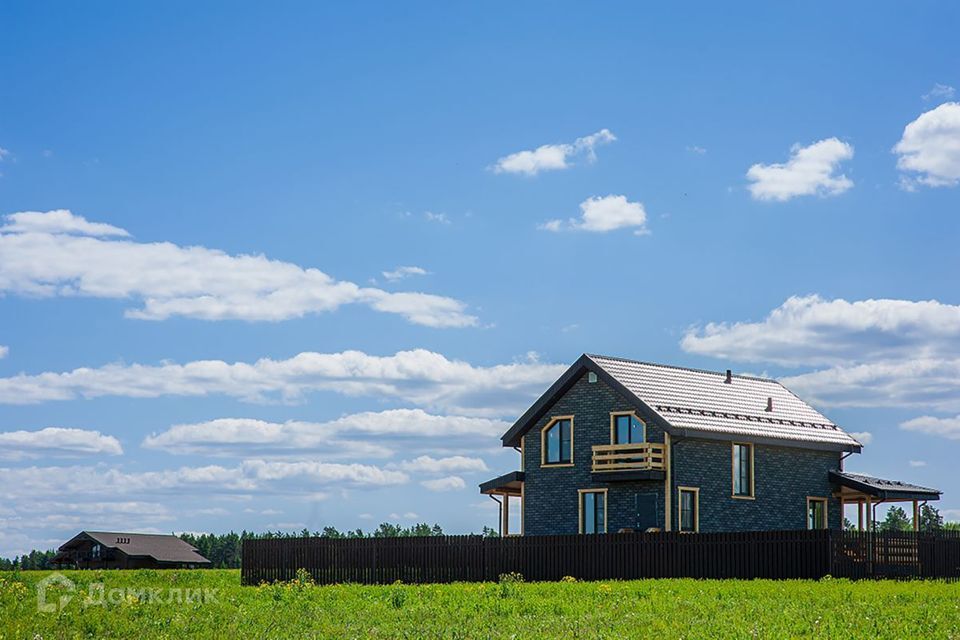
(696, 402)
(163, 548)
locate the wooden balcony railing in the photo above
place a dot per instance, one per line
(644, 456)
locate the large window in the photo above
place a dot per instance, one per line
(689, 499)
(557, 441)
(593, 511)
(816, 513)
(627, 428)
(742, 470)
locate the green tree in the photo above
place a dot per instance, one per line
(896, 520)
(930, 519)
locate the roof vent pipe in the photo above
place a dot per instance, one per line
(729, 377)
(769, 404)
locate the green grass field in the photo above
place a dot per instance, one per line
(146, 604)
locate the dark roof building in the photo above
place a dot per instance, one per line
(113, 550)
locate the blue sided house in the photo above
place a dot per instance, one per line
(619, 445)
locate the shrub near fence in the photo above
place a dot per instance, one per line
(744, 555)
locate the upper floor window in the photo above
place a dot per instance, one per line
(593, 511)
(816, 513)
(689, 498)
(627, 428)
(557, 444)
(95, 551)
(742, 470)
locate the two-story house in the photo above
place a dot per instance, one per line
(616, 445)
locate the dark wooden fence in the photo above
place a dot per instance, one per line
(757, 554)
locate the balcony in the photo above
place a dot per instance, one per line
(638, 461)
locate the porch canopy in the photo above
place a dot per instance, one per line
(867, 492)
(508, 485)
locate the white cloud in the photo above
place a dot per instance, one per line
(809, 330)
(439, 218)
(917, 463)
(4, 351)
(404, 272)
(551, 157)
(939, 92)
(426, 464)
(602, 214)
(56, 442)
(876, 352)
(863, 437)
(61, 254)
(928, 383)
(697, 150)
(263, 476)
(449, 483)
(929, 151)
(243, 436)
(944, 427)
(4, 154)
(423, 378)
(409, 515)
(810, 170)
(58, 221)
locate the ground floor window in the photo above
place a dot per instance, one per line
(593, 511)
(816, 513)
(689, 505)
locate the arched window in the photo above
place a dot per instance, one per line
(557, 441)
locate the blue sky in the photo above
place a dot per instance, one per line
(704, 185)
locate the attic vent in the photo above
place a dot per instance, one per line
(729, 377)
(123, 541)
(591, 377)
(769, 404)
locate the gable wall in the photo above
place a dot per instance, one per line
(551, 494)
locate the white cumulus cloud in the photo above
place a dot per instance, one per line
(944, 427)
(810, 170)
(602, 214)
(367, 434)
(419, 377)
(929, 150)
(448, 483)
(404, 272)
(551, 157)
(939, 92)
(4, 351)
(863, 437)
(57, 442)
(427, 464)
(61, 254)
(866, 353)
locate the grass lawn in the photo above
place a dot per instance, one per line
(165, 604)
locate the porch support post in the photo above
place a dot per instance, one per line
(860, 515)
(916, 516)
(843, 513)
(505, 526)
(869, 514)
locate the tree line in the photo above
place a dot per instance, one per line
(223, 550)
(898, 520)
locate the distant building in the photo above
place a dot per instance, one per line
(616, 444)
(111, 550)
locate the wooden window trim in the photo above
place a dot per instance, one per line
(580, 493)
(826, 513)
(733, 475)
(613, 424)
(543, 444)
(696, 509)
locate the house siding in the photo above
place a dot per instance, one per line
(783, 476)
(551, 494)
(783, 479)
